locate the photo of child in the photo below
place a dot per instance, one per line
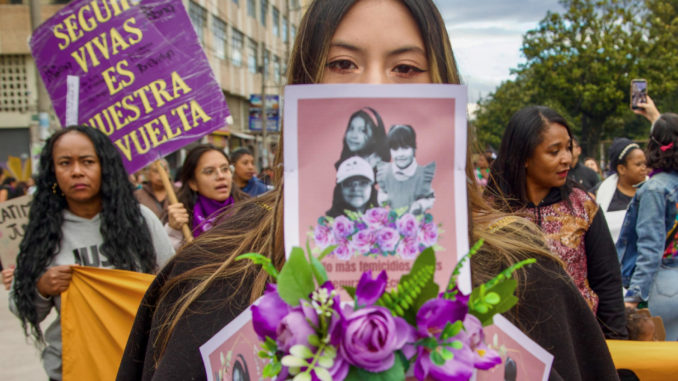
(403, 183)
(354, 190)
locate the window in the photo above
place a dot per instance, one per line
(275, 15)
(264, 11)
(219, 33)
(276, 69)
(13, 83)
(251, 55)
(236, 47)
(198, 16)
(267, 60)
(252, 8)
(284, 29)
(293, 32)
(237, 2)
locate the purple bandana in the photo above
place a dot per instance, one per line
(206, 211)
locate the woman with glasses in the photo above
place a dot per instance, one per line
(206, 190)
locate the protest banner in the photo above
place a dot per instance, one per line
(13, 221)
(427, 208)
(133, 69)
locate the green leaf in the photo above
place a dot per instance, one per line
(437, 358)
(484, 311)
(457, 269)
(301, 351)
(322, 374)
(446, 354)
(350, 290)
(395, 373)
(272, 369)
(302, 377)
(295, 281)
(318, 269)
(314, 340)
(451, 329)
(425, 262)
(492, 298)
(259, 259)
(326, 252)
(292, 361)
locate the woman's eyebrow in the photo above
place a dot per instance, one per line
(407, 49)
(345, 45)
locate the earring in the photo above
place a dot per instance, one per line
(54, 186)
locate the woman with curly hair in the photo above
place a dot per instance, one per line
(83, 213)
(649, 270)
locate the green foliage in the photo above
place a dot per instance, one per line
(259, 259)
(581, 60)
(413, 289)
(495, 296)
(395, 373)
(295, 281)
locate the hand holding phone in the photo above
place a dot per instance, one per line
(638, 93)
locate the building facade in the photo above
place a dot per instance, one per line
(245, 41)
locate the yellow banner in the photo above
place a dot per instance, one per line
(649, 360)
(97, 313)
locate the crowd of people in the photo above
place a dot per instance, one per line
(532, 199)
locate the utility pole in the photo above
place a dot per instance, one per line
(40, 131)
(264, 115)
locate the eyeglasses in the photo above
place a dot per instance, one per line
(355, 183)
(214, 172)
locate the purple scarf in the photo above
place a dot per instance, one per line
(206, 211)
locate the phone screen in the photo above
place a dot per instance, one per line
(638, 92)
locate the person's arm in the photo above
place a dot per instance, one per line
(604, 277)
(648, 110)
(7, 276)
(651, 231)
(4, 193)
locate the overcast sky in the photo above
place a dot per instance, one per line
(487, 35)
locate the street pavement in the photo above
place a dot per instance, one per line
(19, 358)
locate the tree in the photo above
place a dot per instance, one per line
(581, 62)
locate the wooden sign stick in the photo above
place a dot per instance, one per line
(188, 237)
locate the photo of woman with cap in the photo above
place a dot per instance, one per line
(403, 182)
(365, 136)
(354, 190)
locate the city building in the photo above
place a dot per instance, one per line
(245, 41)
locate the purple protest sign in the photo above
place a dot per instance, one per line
(133, 69)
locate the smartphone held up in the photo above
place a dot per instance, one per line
(638, 93)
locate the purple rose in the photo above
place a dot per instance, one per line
(407, 225)
(428, 235)
(434, 315)
(483, 356)
(408, 248)
(343, 251)
(376, 217)
(371, 337)
(460, 368)
(342, 227)
(387, 238)
(362, 241)
(294, 329)
(339, 370)
(268, 313)
(370, 290)
(323, 236)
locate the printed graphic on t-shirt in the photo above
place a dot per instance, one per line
(91, 256)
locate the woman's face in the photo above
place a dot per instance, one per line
(402, 156)
(377, 41)
(358, 134)
(551, 159)
(77, 168)
(244, 167)
(635, 169)
(592, 164)
(212, 177)
(356, 191)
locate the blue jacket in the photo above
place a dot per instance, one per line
(255, 187)
(650, 216)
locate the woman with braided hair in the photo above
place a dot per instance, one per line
(83, 213)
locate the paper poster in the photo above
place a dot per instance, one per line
(231, 354)
(378, 171)
(522, 358)
(13, 221)
(133, 69)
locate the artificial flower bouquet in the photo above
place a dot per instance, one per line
(307, 333)
(377, 232)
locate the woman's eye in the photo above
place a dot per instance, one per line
(341, 65)
(407, 69)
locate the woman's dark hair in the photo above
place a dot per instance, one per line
(240, 152)
(339, 205)
(662, 149)
(188, 196)
(508, 177)
(402, 136)
(377, 139)
(619, 152)
(126, 238)
(8, 180)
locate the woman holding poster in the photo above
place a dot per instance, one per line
(204, 288)
(83, 213)
(206, 190)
